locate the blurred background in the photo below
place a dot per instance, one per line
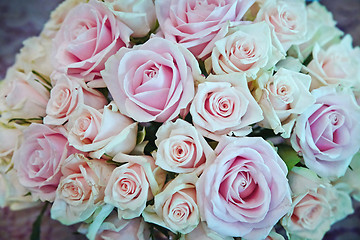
(21, 19)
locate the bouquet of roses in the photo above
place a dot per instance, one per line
(184, 119)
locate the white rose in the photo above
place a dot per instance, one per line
(138, 15)
(287, 20)
(204, 233)
(132, 184)
(109, 132)
(321, 30)
(337, 65)
(13, 194)
(181, 148)
(35, 55)
(176, 208)
(248, 49)
(81, 189)
(282, 97)
(9, 139)
(316, 205)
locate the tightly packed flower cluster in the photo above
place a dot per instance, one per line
(184, 119)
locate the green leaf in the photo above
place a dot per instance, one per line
(35, 234)
(141, 136)
(288, 155)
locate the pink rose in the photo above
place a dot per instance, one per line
(98, 132)
(39, 159)
(22, 96)
(68, 94)
(157, 68)
(244, 192)
(287, 20)
(89, 35)
(81, 189)
(327, 134)
(176, 207)
(224, 105)
(197, 25)
(181, 148)
(132, 184)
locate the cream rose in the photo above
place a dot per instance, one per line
(316, 205)
(81, 189)
(282, 97)
(109, 132)
(67, 95)
(322, 30)
(138, 15)
(223, 105)
(248, 49)
(22, 96)
(181, 148)
(175, 207)
(10, 139)
(337, 65)
(132, 184)
(287, 20)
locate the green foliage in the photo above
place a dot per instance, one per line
(288, 155)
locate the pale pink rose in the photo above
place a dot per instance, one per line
(197, 25)
(316, 205)
(181, 148)
(175, 207)
(22, 96)
(282, 97)
(39, 159)
(287, 20)
(138, 15)
(114, 228)
(337, 65)
(244, 192)
(132, 184)
(327, 134)
(81, 189)
(223, 105)
(157, 68)
(89, 35)
(68, 94)
(248, 49)
(109, 132)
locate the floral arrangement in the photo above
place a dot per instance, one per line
(184, 119)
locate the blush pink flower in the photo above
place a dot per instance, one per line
(198, 24)
(223, 105)
(68, 94)
(81, 189)
(89, 35)
(181, 148)
(327, 134)
(39, 159)
(132, 184)
(100, 132)
(153, 81)
(244, 192)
